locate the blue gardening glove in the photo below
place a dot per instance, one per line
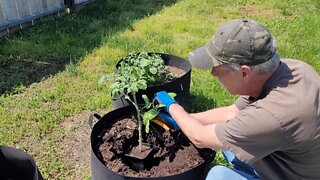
(164, 98)
(168, 120)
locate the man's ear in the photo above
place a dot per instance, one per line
(246, 71)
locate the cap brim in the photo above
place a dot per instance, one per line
(200, 58)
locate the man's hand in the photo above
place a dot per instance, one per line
(164, 98)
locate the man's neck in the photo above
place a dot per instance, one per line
(258, 84)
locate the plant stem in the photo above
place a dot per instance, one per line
(139, 120)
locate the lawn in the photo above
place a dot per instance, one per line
(49, 73)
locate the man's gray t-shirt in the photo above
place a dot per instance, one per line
(279, 132)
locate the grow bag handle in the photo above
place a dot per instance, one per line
(90, 120)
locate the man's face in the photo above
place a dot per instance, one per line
(230, 78)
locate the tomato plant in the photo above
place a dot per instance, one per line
(135, 72)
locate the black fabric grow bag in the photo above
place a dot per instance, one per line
(180, 86)
(17, 164)
(101, 172)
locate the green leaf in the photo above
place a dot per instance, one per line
(144, 63)
(172, 95)
(104, 79)
(114, 93)
(145, 98)
(148, 104)
(148, 116)
(160, 105)
(147, 125)
(142, 84)
(153, 70)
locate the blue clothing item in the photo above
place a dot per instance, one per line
(241, 170)
(168, 120)
(225, 173)
(237, 164)
(164, 98)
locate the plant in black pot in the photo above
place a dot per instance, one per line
(115, 135)
(170, 65)
(135, 72)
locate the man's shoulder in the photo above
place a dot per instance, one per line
(293, 63)
(290, 60)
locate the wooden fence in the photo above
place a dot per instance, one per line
(17, 14)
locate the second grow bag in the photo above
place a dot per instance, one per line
(180, 85)
(101, 172)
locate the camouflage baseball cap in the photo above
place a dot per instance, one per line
(240, 41)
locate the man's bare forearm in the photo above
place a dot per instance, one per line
(203, 136)
(216, 115)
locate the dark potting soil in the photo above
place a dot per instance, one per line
(175, 154)
(177, 71)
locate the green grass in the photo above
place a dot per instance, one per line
(48, 73)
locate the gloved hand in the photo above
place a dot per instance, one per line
(168, 120)
(164, 98)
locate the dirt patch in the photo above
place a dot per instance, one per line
(75, 145)
(251, 10)
(71, 142)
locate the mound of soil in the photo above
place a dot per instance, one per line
(174, 152)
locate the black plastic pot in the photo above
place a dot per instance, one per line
(180, 85)
(140, 163)
(101, 172)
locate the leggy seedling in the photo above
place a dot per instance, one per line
(136, 72)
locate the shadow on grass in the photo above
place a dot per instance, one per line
(48, 47)
(201, 103)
